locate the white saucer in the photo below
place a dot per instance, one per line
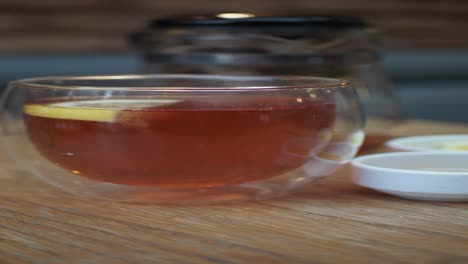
(457, 143)
(437, 176)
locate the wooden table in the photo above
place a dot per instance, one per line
(329, 222)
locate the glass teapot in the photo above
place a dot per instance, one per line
(246, 44)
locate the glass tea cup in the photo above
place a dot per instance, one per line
(181, 139)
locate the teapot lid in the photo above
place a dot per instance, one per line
(251, 21)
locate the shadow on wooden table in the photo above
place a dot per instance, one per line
(337, 187)
(334, 190)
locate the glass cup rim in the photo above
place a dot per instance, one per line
(297, 82)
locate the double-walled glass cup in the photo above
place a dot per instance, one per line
(181, 138)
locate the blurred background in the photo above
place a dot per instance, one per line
(424, 44)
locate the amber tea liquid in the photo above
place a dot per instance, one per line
(189, 143)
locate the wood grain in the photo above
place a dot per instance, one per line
(404, 24)
(331, 221)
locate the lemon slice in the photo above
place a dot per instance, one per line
(92, 110)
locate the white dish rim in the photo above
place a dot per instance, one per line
(400, 143)
(359, 162)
